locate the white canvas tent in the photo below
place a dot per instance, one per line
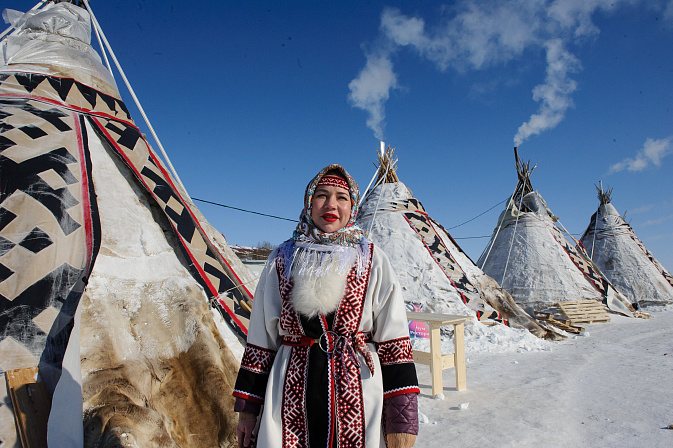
(111, 281)
(531, 258)
(431, 267)
(623, 258)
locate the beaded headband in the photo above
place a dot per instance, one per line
(334, 181)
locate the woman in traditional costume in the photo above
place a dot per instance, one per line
(328, 352)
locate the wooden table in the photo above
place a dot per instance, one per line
(435, 359)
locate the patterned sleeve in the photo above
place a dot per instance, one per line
(391, 332)
(263, 338)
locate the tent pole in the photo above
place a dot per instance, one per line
(383, 178)
(102, 49)
(511, 244)
(11, 27)
(593, 241)
(362, 198)
(135, 98)
(497, 232)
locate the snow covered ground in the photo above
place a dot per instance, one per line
(610, 387)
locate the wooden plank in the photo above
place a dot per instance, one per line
(436, 361)
(425, 359)
(31, 406)
(565, 326)
(581, 309)
(548, 317)
(584, 312)
(246, 306)
(584, 304)
(442, 319)
(459, 356)
(590, 321)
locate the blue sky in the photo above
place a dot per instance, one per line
(251, 99)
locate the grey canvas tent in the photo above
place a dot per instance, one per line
(613, 245)
(530, 256)
(432, 268)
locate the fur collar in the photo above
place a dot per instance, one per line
(319, 291)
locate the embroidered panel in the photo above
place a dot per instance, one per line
(253, 375)
(289, 318)
(344, 370)
(351, 421)
(257, 359)
(349, 314)
(294, 421)
(351, 416)
(396, 351)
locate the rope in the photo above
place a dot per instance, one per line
(231, 289)
(497, 232)
(470, 220)
(364, 195)
(244, 210)
(502, 282)
(102, 50)
(371, 223)
(135, 98)
(593, 240)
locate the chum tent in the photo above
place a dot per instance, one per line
(431, 267)
(111, 281)
(531, 258)
(613, 245)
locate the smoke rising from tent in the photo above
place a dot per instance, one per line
(371, 89)
(475, 36)
(651, 153)
(554, 94)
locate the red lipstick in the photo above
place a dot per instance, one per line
(330, 217)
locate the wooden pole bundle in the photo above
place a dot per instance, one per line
(387, 167)
(524, 171)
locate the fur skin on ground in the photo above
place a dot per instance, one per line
(503, 302)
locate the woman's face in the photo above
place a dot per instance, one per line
(330, 208)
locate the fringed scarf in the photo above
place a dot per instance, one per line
(350, 235)
(320, 262)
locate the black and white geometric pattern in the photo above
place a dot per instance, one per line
(422, 224)
(49, 229)
(43, 231)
